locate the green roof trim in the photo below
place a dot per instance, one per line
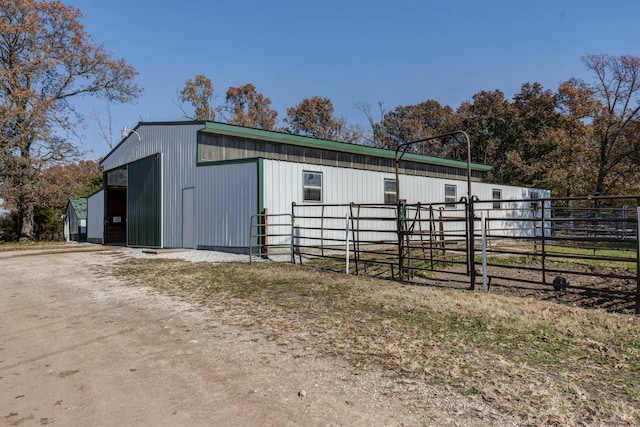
(79, 207)
(305, 141)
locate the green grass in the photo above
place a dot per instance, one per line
(555, 255)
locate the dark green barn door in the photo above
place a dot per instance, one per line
(144, 213)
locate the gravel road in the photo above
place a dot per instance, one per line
(78, 348)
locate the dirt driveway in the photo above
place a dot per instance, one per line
(79, 348)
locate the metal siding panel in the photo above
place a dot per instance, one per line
(226, 198)
(144, 196)
(188, 229)
(283, 185)
(95, 216)
(178, 143)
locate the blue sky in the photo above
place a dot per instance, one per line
(400, 53)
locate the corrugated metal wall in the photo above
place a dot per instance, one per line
(95, 217)
(178, 143)
(284, 182)
(341, 185)
(144, 199)
(73, 220)
(226, 196)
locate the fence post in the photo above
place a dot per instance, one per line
(485, 283)
(295, 235)
(470, 247)
(322, 231)
(265, 224)
(346, 229)
(543, 244)
(638, 257)
(399, 224)
(355, 235)
(293, 254)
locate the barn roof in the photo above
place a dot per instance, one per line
(79, 206)
(306, 141)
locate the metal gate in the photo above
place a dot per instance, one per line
(271, 235)
(590, 244)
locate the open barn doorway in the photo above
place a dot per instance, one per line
(133, 204)
(115, 218)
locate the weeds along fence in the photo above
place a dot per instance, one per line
(591, 243)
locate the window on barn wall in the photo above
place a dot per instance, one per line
(390, 191)
(450, 195)
(117, 177)
(535, 196)
(497, 196)
(312, 186)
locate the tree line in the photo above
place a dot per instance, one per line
(581, 138)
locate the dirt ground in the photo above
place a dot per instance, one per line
(80, 348)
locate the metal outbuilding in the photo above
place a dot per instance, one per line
(75, 220)
(197, 184)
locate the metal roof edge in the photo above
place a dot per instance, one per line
(79, 205)
(306, 141)
(167, 123)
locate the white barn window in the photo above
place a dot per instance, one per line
(390, 191)
(450, 196)
(312, 186)
(497, 196)
(535, 203)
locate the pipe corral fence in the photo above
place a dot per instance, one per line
(580, 247)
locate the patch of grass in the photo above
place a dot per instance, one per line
(20, 246)
(536, 359)
(619, 259)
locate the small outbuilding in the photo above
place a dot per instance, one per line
(197, 184)
(75, 220)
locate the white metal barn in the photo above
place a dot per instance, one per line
(95, 219)
(197, 184)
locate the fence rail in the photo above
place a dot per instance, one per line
(271, 234)
(591, 242)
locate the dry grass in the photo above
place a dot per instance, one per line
(534, 362)
(21, 246)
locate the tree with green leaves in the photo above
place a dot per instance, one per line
(531, 152)
(47, 60)
(488, 119)
(250, 108)
(518, 138)
(412, 123)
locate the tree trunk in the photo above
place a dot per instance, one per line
(603, 161)
(26, 221)
(602, 175)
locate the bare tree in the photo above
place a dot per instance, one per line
(372, 135)
(105, 129)
(611, 105)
